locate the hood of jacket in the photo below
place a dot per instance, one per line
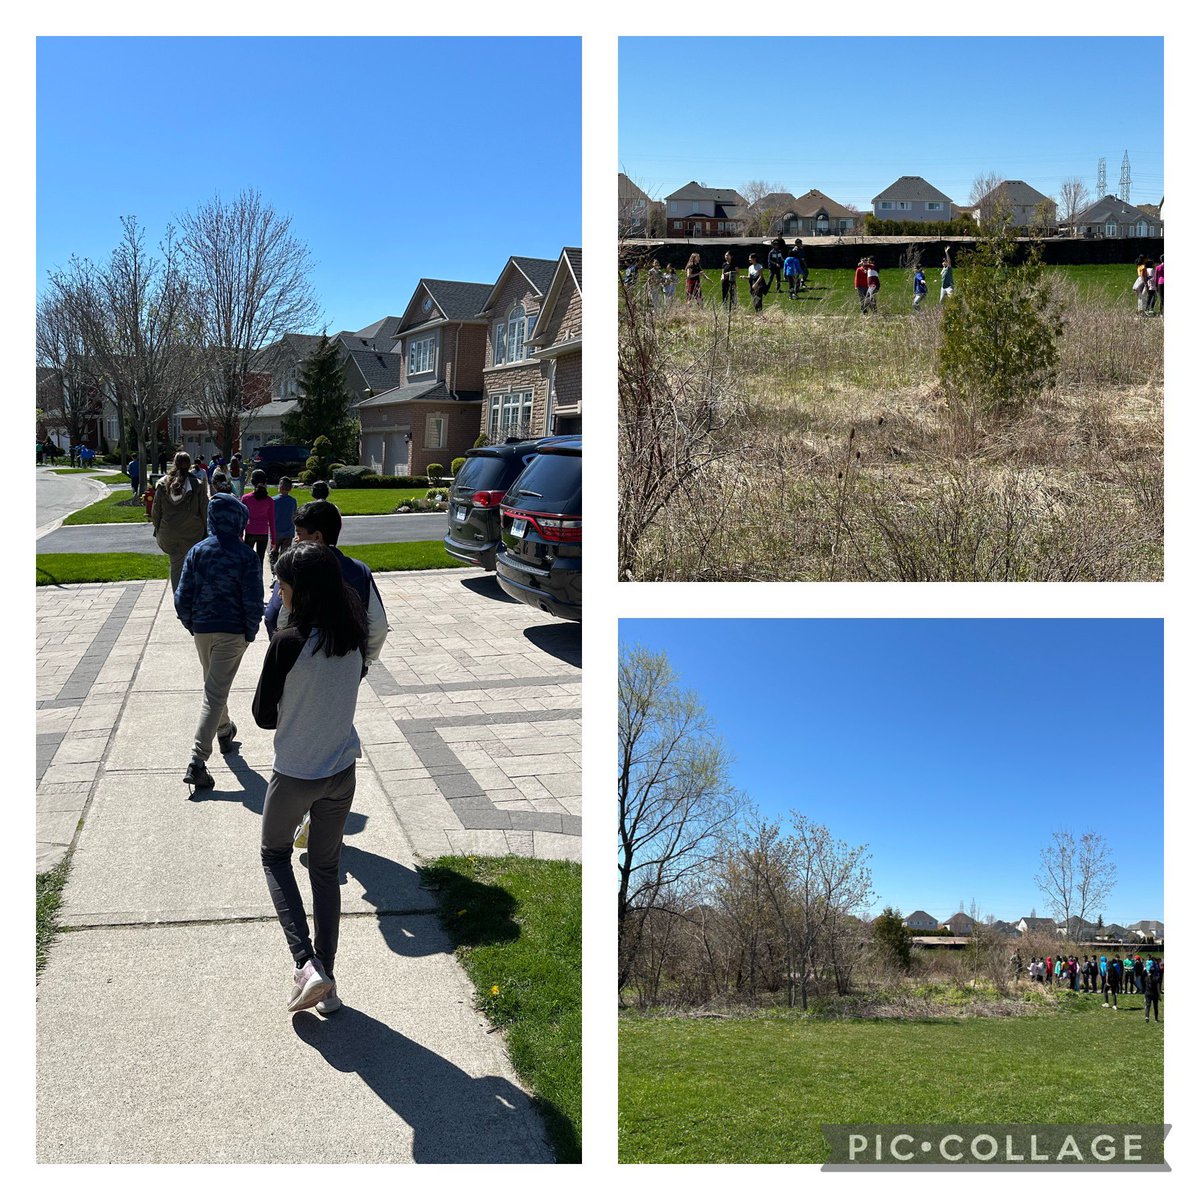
(226, 518)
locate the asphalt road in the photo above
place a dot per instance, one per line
(137, 538)
(58, 496)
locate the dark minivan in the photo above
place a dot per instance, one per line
(278, 461)
(541, 528)
(473, 514)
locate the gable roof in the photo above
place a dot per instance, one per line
(1015, 192)
(539, 272)
(380, 371)
(772, 200)
(1039, 924)
(959, 923)
(628, 190)
(434, 389)
(458, 301)
(385, 329)
(693, 191)
(813, 201)
(565, 275)
(911, 187)
(921, 915)
(1111, 206)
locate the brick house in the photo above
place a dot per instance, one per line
(922, 921)
(912, 198)
(697, 212)
(812, 215)
(1113, 218)
(557, 339)
(432, 414)
(1027, 207)
(515, 386)
(633, 208)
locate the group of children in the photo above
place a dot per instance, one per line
(1148, 286)
(1113, 976)
(326, 623)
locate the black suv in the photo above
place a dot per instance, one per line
(279, 461)
(473, 513)
(541, 527)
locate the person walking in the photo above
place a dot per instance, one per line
(668, 285)
(692, 277)
(860, 285)
(1127, 974)
(237, 475)
(919, 287)
(872, 284)
(307, 693)
(134, 471)
(729, 280)
(179, 513)
(654, 280)
(220, 602)
(1158, 285)
(775, 262)
(1139, 974)
(260, 509)
(791, 272)
(1112, 983)
(1152, 988)
(947, 277)
(802, 272)
(760, 284)
(285, 512)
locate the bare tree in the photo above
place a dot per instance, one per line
(1076, 876)
(1056, 879)
(70, 398)
(988, 197)
(249, 277)
(1096, 874)
(674, 798)
(760, 216)
(1072, 200)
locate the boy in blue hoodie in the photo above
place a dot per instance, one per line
(220, 602)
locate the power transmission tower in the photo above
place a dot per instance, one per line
(1126, 180)
(1101, 178)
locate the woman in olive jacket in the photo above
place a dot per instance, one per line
(180, 512)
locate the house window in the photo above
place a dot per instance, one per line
(933, 206)
(510, 414)
(904, 205)
(884, 205)
(420, 356)
(435, 433)
(1110, 229)
(1140, 229)
(509, 337)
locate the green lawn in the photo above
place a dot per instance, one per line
(352, 502)
(828, 289)
(113, 568)
(758, 1089)
(517, 926)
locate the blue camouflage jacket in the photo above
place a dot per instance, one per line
(221, 588)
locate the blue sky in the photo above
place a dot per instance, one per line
(953, 748)
(396, 157)
(850, 115)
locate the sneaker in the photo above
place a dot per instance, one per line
(197, 775)
(301, 839)
(310, 985)
(225, 740)
(330, 1002)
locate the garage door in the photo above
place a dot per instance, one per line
(373, 451)
(395, 453)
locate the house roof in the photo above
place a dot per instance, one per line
(1045, 924)
(433, 390)
(538, 271)
(386, 328)
(1015, 192)
(565, 275)
(628, 190)
(813, 201)
(959, 922)
(911, 187)
(458, 301)
(1108, 206)
(693, 191)
(275, 408)
(575, 262)
(773, 200)
(379, 371)
(920, 915)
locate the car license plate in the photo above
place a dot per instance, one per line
(519, 526)
(460, 514)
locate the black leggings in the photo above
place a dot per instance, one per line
(1149, 1001)
(259, 542)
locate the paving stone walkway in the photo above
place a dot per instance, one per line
(162, 1032)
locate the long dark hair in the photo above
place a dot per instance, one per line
(322, 600)
(181, 468)
(259, 479)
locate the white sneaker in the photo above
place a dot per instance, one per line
(310, 985)
(330, 1002)
(301, 839)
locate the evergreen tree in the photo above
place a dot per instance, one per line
(324, 405)
(891, 935)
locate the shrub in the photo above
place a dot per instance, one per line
(437, 494)
(457, 465)
(481, 441)
(305, 477)
(344, 477)
(434, 471)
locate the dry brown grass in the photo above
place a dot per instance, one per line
(848, 463)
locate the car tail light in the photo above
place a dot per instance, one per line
(553, 529)
(487, 499)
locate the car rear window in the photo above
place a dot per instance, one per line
(486, 472)
(551, 483)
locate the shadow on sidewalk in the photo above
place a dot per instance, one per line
(486, 586)
(564, 640)
(454, 1118)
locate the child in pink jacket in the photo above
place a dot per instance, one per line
(260, 524)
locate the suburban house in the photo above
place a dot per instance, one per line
(911, 198)
(1045, 926)
(557, 340)
(960, 924)
(812, 215)
(1005, 929)
(633, 208)
(432, 414)
(515, 400)
(1027, 207)
(1110, 217)
(921, 920)
(697, 212)
(1148, 931)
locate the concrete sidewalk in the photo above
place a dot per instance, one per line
(162, 1029)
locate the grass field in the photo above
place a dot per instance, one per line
(758, 1089)
(829, 450)
(112, 568)
(517, 926)
(353, 502)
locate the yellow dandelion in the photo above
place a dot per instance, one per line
(462, 912)
(495, 989)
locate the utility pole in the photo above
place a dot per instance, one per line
(1126, 180)
(1101, 179)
